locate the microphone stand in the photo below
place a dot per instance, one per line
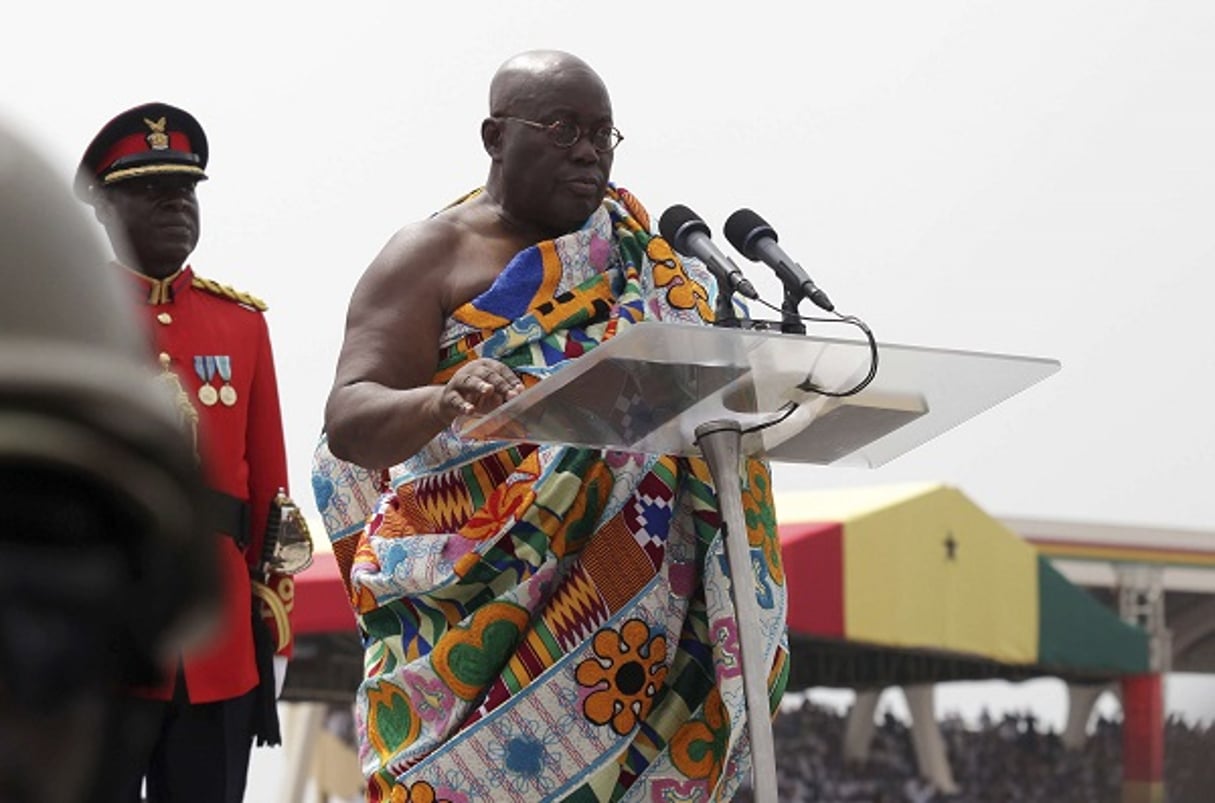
(790, 322)
(723, 313)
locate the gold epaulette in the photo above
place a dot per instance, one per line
(224, 291)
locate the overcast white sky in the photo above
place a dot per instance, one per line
(1031, 178)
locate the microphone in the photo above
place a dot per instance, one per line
(755, 239)
(689, 234)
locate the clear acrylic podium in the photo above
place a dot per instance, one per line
(722, 393)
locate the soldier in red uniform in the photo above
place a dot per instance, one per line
(139, 174)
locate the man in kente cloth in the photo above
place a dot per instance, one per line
(541, 622)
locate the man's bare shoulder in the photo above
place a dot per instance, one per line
(436, 240)
(417, 243)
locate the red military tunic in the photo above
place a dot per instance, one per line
(240, 445)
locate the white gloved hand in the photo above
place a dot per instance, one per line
(280, 674)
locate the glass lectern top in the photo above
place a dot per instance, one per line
(648, 389)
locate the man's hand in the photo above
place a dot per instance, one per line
(478, 387)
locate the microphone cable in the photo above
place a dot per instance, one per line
(807, 384)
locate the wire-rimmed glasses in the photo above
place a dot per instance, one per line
(565, 134)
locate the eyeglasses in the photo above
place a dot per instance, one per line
(565, 134)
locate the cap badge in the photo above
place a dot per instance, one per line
(157, 139)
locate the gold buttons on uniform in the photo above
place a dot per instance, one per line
(165, 318)
(165, 359)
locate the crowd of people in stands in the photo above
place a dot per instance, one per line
(1005, 760)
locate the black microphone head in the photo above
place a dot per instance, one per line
(677, 223)
(743, 228)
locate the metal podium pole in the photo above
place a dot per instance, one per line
(720, 442)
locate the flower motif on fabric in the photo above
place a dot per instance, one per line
(760, 515)
(725, 636)
(698, 748)
(420, 792)
(396, 556)
(470, 655)
(764, 594)
(679, 792)
(620, 460)
(599, 250)
(627, 673)
(432, 700)
(392, 722)
(322, 489)
(683, 292)
(525, 759)
(503, 506)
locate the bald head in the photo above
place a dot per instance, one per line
(550, 137)
(521, 78)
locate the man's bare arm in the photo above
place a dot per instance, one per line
(382, 407)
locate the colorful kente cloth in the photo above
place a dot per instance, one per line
(549, 622)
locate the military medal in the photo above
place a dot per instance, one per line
(205, 368)
(227, 393)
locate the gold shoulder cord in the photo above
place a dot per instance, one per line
(224, 291)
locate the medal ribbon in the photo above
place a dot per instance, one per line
(205, 368)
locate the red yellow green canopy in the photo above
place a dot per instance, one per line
(922, 568)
